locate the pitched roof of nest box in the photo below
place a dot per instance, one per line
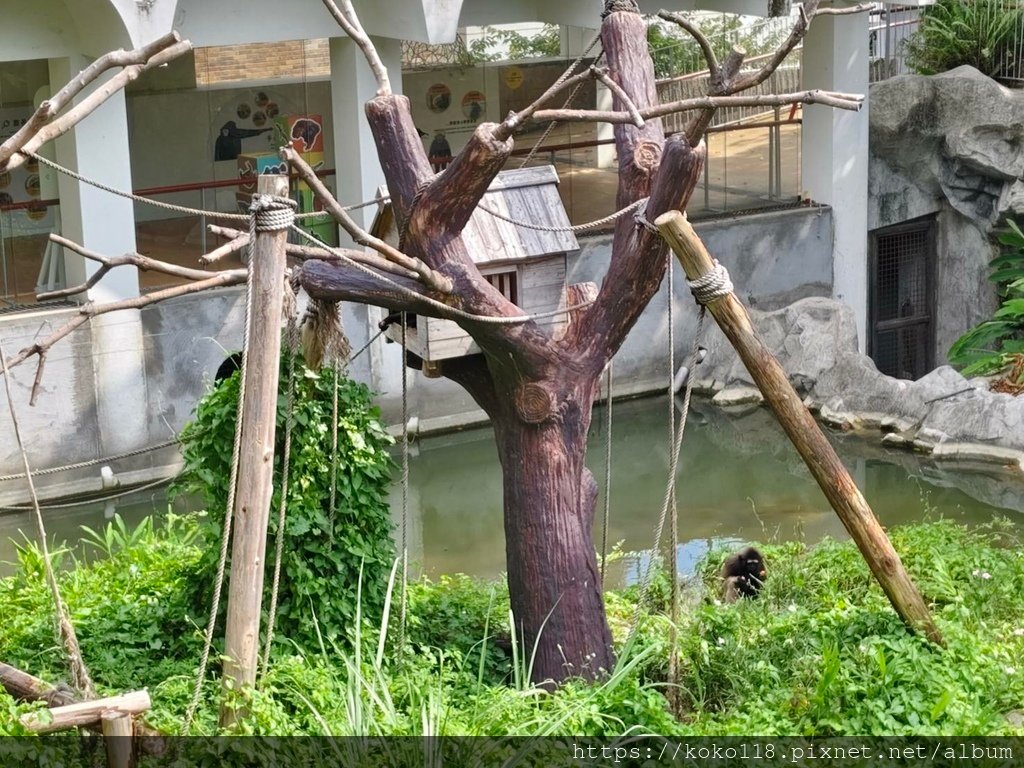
(524, 194)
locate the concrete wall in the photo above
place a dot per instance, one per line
(774, 258)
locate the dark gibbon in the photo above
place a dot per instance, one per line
(742, 574)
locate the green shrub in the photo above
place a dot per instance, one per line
(958, 32)
(995, 345)
(324, 555)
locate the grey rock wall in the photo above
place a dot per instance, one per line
(942, 414)
(951, 145)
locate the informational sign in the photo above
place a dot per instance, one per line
(474, 104)
(513, 78)
(21, 187)
(439, 98)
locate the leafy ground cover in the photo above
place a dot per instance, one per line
(820, 653)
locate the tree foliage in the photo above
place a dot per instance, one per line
(324, 554)
(997, 344)
(958, 32)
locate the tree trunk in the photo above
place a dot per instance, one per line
(553, 577)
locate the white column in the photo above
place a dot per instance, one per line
(355, 154)
(359, 175)
(834, 156)
(98, 149)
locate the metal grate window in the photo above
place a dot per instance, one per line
(902, 303)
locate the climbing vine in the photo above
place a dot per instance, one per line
(324, 552)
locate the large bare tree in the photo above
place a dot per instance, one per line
(538, 388)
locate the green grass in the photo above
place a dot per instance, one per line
(821, 653)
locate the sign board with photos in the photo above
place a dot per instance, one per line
(22, 187)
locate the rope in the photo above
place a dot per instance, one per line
(403, 230)
(64, 629)
(574, 228)
(673, 657)
(712, 285)
(91, 462)
(171, 206)
(289, 423)
(448, 312)
(607, 471)
(640, 217)
(405, 495)
(271, 214)
(93, 500)
(331, 507)
(218, 583)
(673, 463)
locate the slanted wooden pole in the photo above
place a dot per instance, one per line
(117, 736)
(798, 423)
(256, 460)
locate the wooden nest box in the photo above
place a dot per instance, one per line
(527, 265)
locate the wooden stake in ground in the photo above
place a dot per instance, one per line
(803, 431)
(117, 734)
(256, 460)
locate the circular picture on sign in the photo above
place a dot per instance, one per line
(32, 185)
(439, 97)
(474, 104)
(262, 99)
(514, 78)
(259, 119)
(243, 111)
(36, 210)
(272, 110)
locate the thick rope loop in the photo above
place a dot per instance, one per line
(711, 286)
(272, 213)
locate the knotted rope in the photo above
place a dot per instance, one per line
(271, 214)
(711, 286)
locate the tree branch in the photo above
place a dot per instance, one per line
(431, 279)
(349, 21)
(516, 119)
(308, 252)
(44, 125)
(807, 12)
(237, 243)
(332, 281)
(695, 32)
(830, 98)
(89, 311)
(447, 203)
(108, 263)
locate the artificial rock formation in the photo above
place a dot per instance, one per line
(942, 414)
(949, 145)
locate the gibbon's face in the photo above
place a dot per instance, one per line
(754, 564)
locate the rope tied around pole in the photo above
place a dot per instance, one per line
(713, 285)
(271, 213)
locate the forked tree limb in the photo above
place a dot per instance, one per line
(144, 263)
(698, 35)
(47, 123)
(221, 252)
(427, 276)
(349, 21)
(89, 311)
(343, 282)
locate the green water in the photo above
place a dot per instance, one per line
(738, 479)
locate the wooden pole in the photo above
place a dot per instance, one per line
(256, 461)
(803, 431)
(117, 735)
